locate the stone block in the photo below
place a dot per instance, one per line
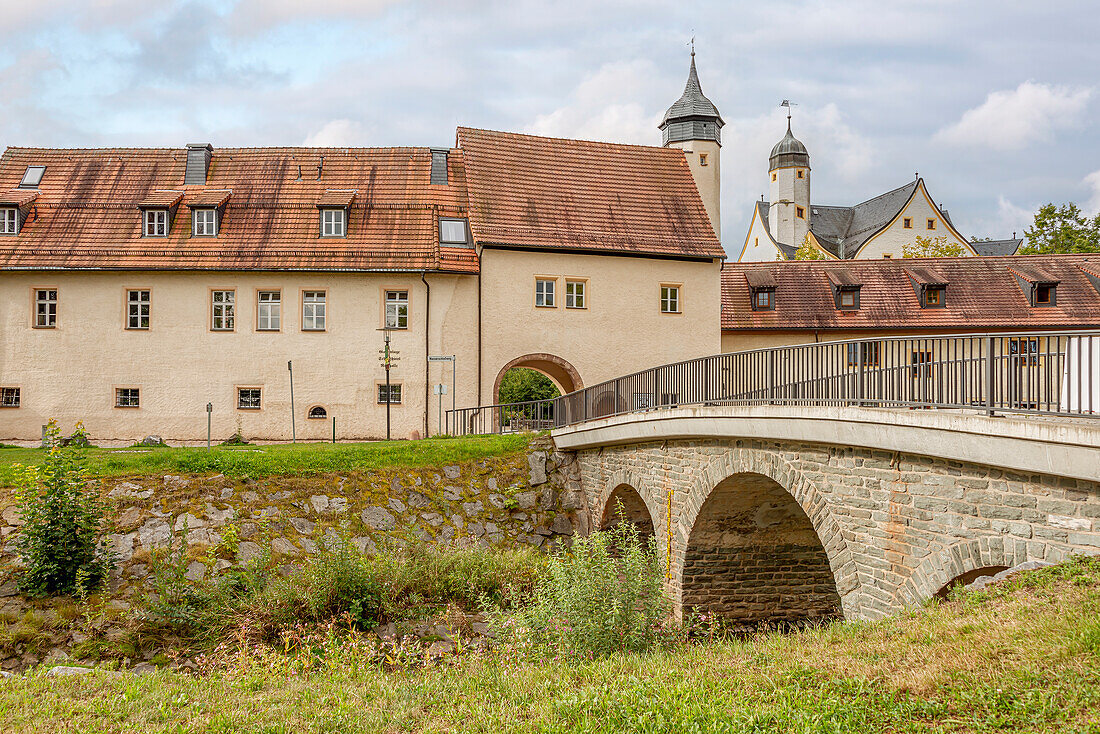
(378, 518)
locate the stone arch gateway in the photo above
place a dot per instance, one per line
(564, 375)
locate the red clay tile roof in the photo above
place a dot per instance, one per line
(208, 198)
(1034, 273)
(18, 197)
(85, 215)
(842, 277)
(551, 193)
(337, 198)
(982, 292)
(926, 276)
(161, 198)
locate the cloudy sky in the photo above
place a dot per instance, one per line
(996, 104)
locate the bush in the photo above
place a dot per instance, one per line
(604, 595)
(61, 542)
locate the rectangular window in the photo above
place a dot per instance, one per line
(801, 173)
(45, 309)
(224, 310)
(9, 397)
(670, 299)
(156, 223)
(934, 297)
(931, 224)
(248, 398)
(702, 159)
(204, 223)
(9, 221)
(397, 309)
(1044, 294)
(762, 300)
(32, 177)
(313, 311)
(574, 294)
(1024, 351)
(127, 397)
(922, 364)
(544, 293)
(332, 222)
(269, 310)
(137, 309)
(452, 231)
(907, 223)
(868, 350)
(392, 397)
(847, 299)
(800, 212)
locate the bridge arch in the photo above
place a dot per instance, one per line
(956, 561)
(564, 375)
(792, 499)
(640, 507)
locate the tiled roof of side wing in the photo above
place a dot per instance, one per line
(85, 214)
(553, 193)
(982, 292)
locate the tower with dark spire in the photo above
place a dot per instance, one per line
(694, 125)
(789, 170)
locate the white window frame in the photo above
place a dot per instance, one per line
(269, 311)
(447, 240)
(45, 308)
(223, 307)
(127, 397)
(139, 302)
(395, 387)
(9, 220)
(252, 401)
(10, 396)
(670, 298)
(545, 292)
(155, 223)
(204, 222)
(576, 295)
(397, 309)
(334, 222)
(314, 310)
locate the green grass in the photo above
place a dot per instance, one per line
(303, 459)
(1019, 659)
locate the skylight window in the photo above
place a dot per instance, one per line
(32, 177)
(452, 231)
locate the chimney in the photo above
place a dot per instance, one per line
(198, 163)
(439, 166)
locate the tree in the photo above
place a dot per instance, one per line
(1062, 229)
(61, 542)
(520, 385)
(806, 251)
(931, 247)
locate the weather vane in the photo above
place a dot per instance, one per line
(692, 41)
(788, 104)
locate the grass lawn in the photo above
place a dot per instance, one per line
(300, 459)
(1022, 658)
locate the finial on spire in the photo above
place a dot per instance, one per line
(788, 104)
(693, 43)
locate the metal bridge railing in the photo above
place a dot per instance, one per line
(1044, 373)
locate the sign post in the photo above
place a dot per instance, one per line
(446, 358)
(387, 357)
(293, 432)
(209, 410)
(440, 390)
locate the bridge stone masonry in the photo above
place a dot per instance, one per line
(792, 513)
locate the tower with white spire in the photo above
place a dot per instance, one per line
(789, 189)
(694, 125)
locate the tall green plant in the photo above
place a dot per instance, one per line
(603, 595)
(61, 542)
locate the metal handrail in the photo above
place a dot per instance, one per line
(1035, 372)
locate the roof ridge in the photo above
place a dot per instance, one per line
(462, 128)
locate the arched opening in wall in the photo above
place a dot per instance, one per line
(753, 558)
(967, 578)
(534, 377)
(625, 505)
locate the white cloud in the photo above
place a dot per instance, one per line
(604, 107)
(253, 15)
(1011, 119)
(338, 134)
(1092, 206)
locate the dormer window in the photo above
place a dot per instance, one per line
(845, 284)
(204, 222)
(762, 285)
(32, 177)
(930, 286)
(1039, 285)
(453, 232)
(763, 300)
(935, 296)
(9, 221)
(156, 223)
(848, 299)
(333, 223)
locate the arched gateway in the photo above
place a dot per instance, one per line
(564, 375)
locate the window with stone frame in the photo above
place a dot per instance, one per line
(45, 308)
(394, 393)
(249, 398)
(397, 309)
(269, 310)
(313, 311)
(127, 397)
(223, 310)
(138, 304)
(9, 397)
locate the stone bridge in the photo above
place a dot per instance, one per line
(795, 512)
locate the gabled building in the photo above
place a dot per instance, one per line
(877, 228)
(771, 304)
(137, 286)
